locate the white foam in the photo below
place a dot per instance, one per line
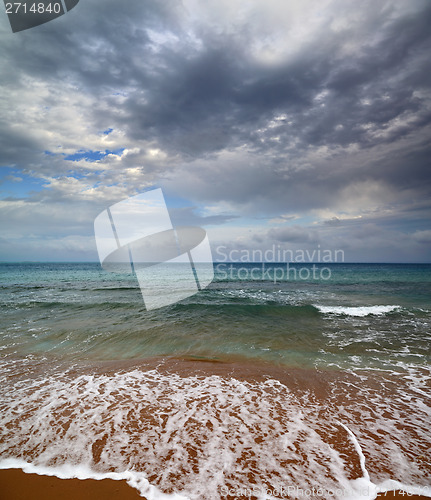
(191, 436)
(358, 450)
(134, 479)
(358, 311)
(364, 489)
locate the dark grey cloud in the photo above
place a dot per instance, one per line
(217, 96)
(188, 216)
(199, 96)
(293, 234)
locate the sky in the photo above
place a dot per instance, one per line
(286, 124)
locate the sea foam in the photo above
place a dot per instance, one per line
(357, 311)
(178, 437)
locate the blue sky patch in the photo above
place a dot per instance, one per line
(92, 156)
(15, 184)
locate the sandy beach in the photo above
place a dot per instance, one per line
(17, 485)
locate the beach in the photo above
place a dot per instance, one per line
(247, 390)
(16, 485)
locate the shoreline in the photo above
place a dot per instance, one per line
(215, 400)
(15, 484)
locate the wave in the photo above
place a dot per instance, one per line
(359, 311)
(71, 305)
(113, 288)
(238, 305)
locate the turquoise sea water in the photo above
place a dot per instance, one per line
(370, 315)
(276, 381)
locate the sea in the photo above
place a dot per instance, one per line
(272, 382)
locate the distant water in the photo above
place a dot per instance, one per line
(363, 330)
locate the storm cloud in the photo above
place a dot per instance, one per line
(274, 121)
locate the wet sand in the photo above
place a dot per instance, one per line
(311, 389)
(17, 485)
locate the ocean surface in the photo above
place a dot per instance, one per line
(273, 382)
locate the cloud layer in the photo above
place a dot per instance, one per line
(296, 122)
